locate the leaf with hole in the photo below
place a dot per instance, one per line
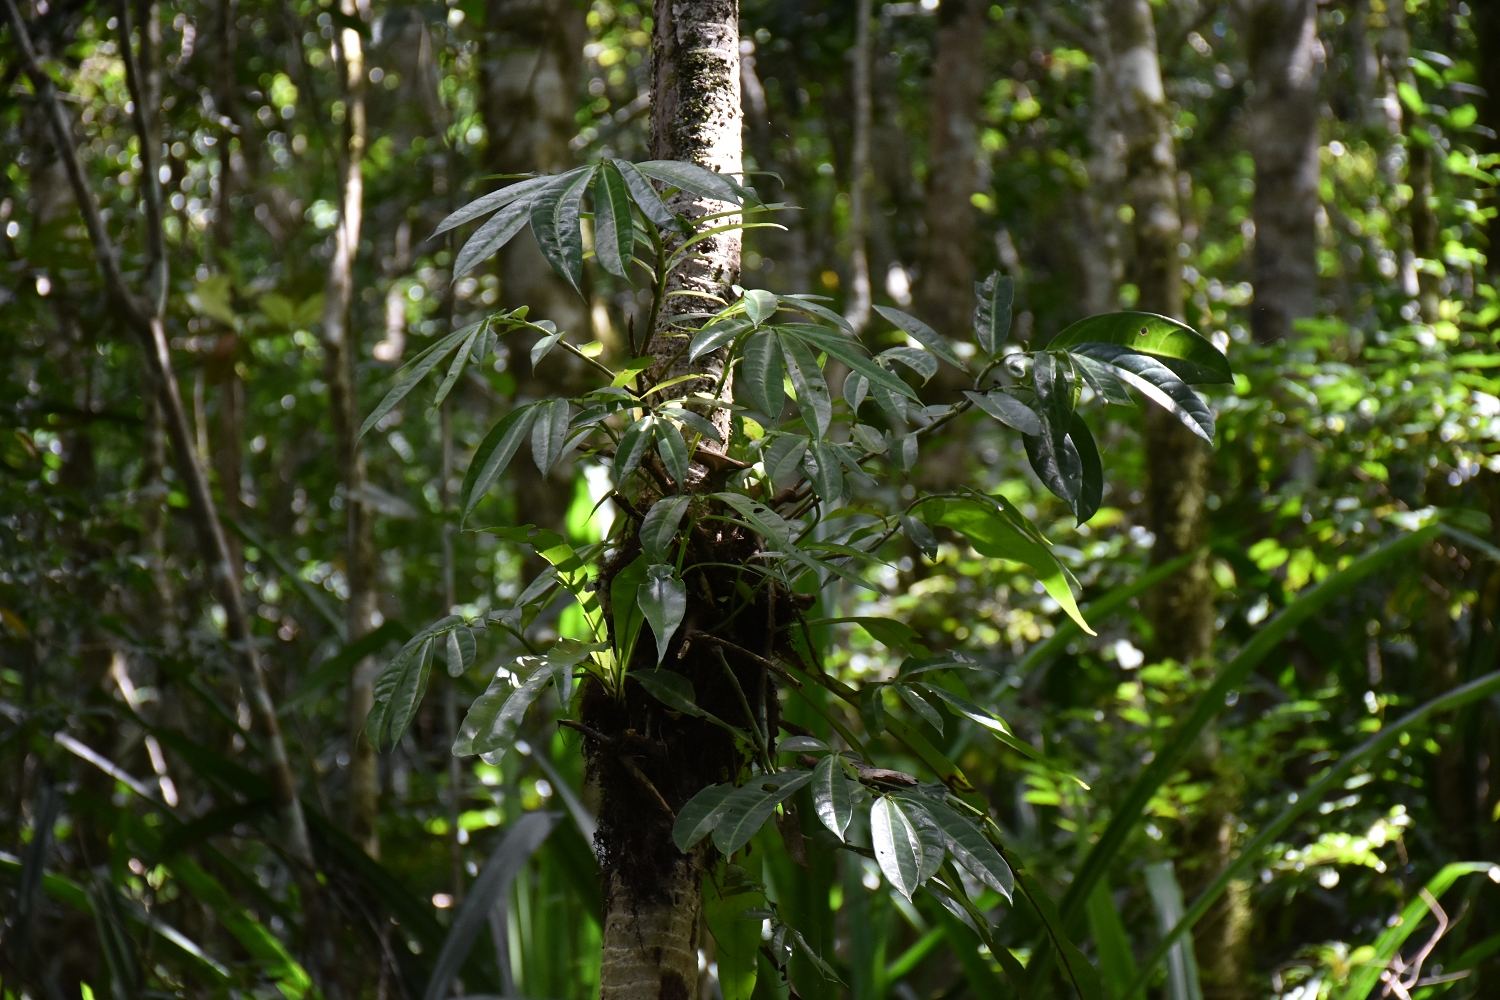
(898, 846)
(549, 434)
(556, 223)
(614, 229)
(663, 600)
(992, 309)
(493, 455)
(922, 334)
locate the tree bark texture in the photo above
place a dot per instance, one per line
(857, 310)
(1286, 62)
(1395, 52)
(341, 347)
(945, 286)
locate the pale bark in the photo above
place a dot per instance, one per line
(1286, 63)
(857, 308)
(1101, 267)
(340, 353)
(945, 285)
(1395, 52)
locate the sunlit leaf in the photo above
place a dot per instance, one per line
(832, 800)
(1178, 346)
(898, 847)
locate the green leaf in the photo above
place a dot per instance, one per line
(501, 228)
(1091, 490)
(632, 448)
(923, 334)
(919, 535)
(1158, 383)
(1083, 976)
(856, 389)
(644, 195)
(807, 379)
(693, 179)
(996, 529)
(972, 849)
(1116, 963)
(716, 335)
(850, 354)
(920, 705)
(868, 438)
(1178, 346)
(663, 600)
(888, 632)
(832, 802)
(549, 434)
(676, 692)
(824, 471)
(698, 818)
(1101, 377)
(485, 204)
(489, 729)
(761, 375)
(934, 845)
(1007, 409)
(985, 718)
(920, 361)
(898, 847)
(398, 691)
(800, 304)
(801, 744)
(783, 459)
(614, 230)
(555, 221)
(992, 306)
(544, 345)
(416, 371)
(460, 652)
(760, 305)
(493, 455)
(626, 609)
(673, 451)
(748, 808)
(1166, 899)
(1055, 460)
(660, 526)
(456, 369)
(1366, 976)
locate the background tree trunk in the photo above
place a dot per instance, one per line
(945, 286)
(857, 308)
(1286, 62)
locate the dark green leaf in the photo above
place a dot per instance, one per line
(1101, 377)
(489, 729)
(493, 455)
(856, 389)
(698, 818)
(921, 706)
(783, 459)
(824, 471)
(992, 306)
(1091, 490)
(807, 379)
(850, 354)
(1080, 973)
(633, 444)
(555, 221)
(626, 609)
(501, 228)
(1178, 346)
(920, 361)
(416, 371)
(748, 808)
(985, 718)
(1007, 409)
(1055, 460)
(644, 195)
(1158, 383)
(760, 305)
(922, 334)
(614, 230)
(544, 345)
(716, 335)
(549, 434)
(671, 689)
(919, 535)
(456, 369)
(898, 847)
(761, 375)
(660, 526)
(801, 744)
(801, 304)
(663, 600)
(693, 179)
(526, 190)
(972, 849)
(673, 451)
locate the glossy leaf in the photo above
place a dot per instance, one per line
(549, 434)
(1158, 383)
(920, 361)
(490, 726)
(673, 451)
(644, 195)
(921, 706)
(992, 310)
(807, 380)
(492, 456)
(460, 652)
(972, 849)
(1007, 409)
(760, 305)
(1178, 346)
(1091, 489)
(898, 847)
(748, 808)
(760, 375)
(832, 801)
(801, 744)
(716, 335)
(693, 179)
(698, 818)
(856, 390)
(671, 689)
(824, 471)
(660, 526)
(1055, 460)
(555, 221)
(614, 230)
(632, 448)
(934, 845)
(922, 334)
(663, 600)
(407, 694)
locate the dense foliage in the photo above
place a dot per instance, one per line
(877, 573)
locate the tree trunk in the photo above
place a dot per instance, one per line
(1395, 52)
(1098, 205)
(651, 891)
(945, 287)
(1286, 61)
(341, 347)
(857, 308)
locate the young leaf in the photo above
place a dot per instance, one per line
(856, 389)
(1007, 409)
(493, 455)
(644, 195)
(760, 305)
(807, 379)
(549, 434)
(693, 179)
(673, 451)
(748, 808)
(923, 334)
(633, 444)
(495, 199)
(501, 228)
(992, 306)
(663, 600)
(831, 799)
(698, 818)
(1158, 383)
(898, 847)
(556, 224)
(1178, 346)
(416, 371)
(614, 230)
(761, 375)
(660, 526)
(544, 344)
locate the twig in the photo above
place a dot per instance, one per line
(640, 776)
(755, 658)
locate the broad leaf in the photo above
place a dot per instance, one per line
(501, 228)
(614, 230)
(761, 375)
(1091, 492)
(555, 221)
(407, 693)
(490, 727)
(493, 455)
(920, 361)
(544, 344)
(972, 849)
(632, 448)
(783, 459)
(923, 334)
(801, 744)
(934, 844)
(985, 718)
(716, 335)
(673, 451)
(549, 434)
(760, 305)
(461, 650)
(1055, 460)
(693, 179)
(748, 808)
(1158, 383)
(626, 608)
(801, 304)
(698, 818)
(660, 526)
(921, 706)
(823, 470)
(856, 390)
(663, 600)
(671, 689)
(1007, 409)
(992, 306)
(832, 800)
(1178, 346)
(898, 847)
(807, 379)
(850, 354)
(644, 195)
